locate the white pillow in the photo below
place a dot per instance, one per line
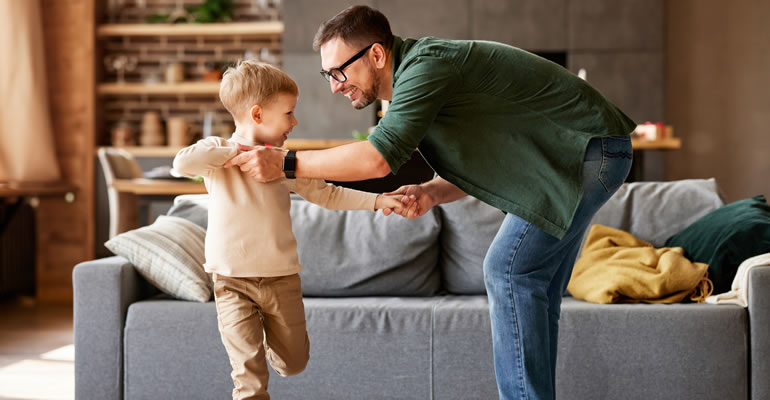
(170, 255)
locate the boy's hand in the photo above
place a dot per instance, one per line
(415, 202)
(388, 202)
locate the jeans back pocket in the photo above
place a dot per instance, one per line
(617, 156)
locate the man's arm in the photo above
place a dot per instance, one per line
(350, 162)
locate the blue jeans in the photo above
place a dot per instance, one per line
(526, 272)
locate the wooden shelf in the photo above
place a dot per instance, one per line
(252, 29)
(662, 144)
(211, 88)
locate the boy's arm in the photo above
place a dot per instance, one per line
(200, 158)
(334, 197)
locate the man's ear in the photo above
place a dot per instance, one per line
(379, 54)
(255, 114)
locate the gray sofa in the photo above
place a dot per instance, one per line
(398, 311)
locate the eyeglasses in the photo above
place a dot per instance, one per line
(337, 73)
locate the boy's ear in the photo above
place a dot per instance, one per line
(255, 114)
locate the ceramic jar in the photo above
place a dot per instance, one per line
(152, 130)
(178, 132)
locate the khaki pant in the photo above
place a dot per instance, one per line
(261, 318)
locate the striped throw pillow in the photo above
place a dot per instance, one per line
(170, 255)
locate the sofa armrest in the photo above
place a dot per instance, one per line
(759, 319)
(103, 290)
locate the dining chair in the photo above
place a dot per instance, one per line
(119, 164)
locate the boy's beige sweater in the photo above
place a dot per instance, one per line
(249, 227)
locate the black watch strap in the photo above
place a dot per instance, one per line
(290, 164)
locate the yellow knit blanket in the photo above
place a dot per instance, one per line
(616, 267)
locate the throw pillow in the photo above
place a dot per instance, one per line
(169, 254)
(362, 253)
(653, 211)
(468, 226)
(726, 237)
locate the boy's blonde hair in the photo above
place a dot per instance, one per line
(251, 82)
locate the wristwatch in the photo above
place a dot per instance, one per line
(290, 164)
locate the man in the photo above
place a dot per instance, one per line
(503, 125)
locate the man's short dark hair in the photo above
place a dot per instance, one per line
(358, 26)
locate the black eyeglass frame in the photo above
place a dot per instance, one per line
(351, 60)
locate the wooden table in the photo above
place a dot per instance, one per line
(662, 144)
(130, 191)
(641, 147)
(158, 187)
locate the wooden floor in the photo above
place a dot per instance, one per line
(36, 351)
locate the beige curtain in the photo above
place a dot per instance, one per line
(27, 151)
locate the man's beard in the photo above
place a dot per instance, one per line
(369, 96)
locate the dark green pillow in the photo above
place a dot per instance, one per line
(727, 236)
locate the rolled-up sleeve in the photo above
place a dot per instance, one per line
(419, 93)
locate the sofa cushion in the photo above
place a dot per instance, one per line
(365, 348)
(653, 211)
(362, 348)
(725, 237)
(172, 350)
(361, 253)
(468, 226)
(169, 254)
(651, 351)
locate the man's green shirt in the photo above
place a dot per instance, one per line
(504, 125)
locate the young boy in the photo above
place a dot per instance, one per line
(250, 248)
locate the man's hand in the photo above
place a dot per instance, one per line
(416, 201)
(259, 162)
